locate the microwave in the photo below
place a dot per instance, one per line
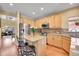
(45, 26)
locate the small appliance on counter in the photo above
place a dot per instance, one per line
(44, 34)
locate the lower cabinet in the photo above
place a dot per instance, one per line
(50, 39)
(52, 51)
(58, 45)
(66, 43)
(58, 41)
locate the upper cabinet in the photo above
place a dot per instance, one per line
(54, 21)
(51, 21)
(27, 21)
(39, 22)
(58, 21)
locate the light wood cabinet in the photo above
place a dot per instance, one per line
(51, 21)
(55, 40)
(58, 45)
(58, 41)
(52, 51)
(39, 43)
(54, 21)
(41, 47)
(50, 39)
(39, 22)
(27, 21)
(66, 43)
(58, 21)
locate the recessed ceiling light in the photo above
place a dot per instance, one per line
(33, 13)
(42, 9)
(11, 4)
(71, 3)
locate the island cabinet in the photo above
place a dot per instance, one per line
(41, 47)
(40, 44)
(58, 45)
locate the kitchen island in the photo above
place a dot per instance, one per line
(39, 41)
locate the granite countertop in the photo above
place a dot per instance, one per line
(63, 32)
(66, 33)
(35, 37)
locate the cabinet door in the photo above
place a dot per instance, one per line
(57, 21)
(39, 22)
(58, 41)
(66, 43)
(52, 51)
(50, 39)
(27, 21)
(51, 22)
(54, 21)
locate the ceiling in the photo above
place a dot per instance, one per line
(36, 10)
